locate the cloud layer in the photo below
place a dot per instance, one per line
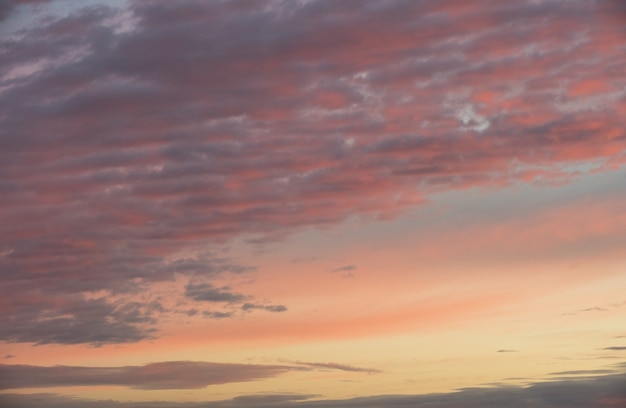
(604, 391)
(163, 375)
(337, 366)
(133, 137)
(154, 376)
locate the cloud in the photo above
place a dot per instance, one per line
(7, 7)
(154, 376)
(604, 308)
(583, 372)
(94, 321)
(594, 309)
(269, 308)
(615, 348)
(54, 308)
(202, 122)
(50, 400)
(217, 315)
(601, 391)
(346, 268)
(269, 399)
(506, 351)
(205, 292)
(341, 367)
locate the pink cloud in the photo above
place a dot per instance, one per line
(211, 121)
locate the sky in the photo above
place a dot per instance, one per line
(312, 203)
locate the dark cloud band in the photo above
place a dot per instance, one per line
(165, 375)
(603, 391)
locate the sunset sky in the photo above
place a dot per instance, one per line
(312, 203)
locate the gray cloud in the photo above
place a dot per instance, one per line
(337, 366)
(270, 308)
(615, 348)
(603, 308)
(62, 314)
(583, 372)
(269, 399)
(603, 391)
(6, 8)
(79, 320)
(594, 309)
(275, 308)
(164, 375)
(217, 315)
(345, 268)
(50, 400)
(205, 292)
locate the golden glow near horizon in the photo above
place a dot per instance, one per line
(421, 327)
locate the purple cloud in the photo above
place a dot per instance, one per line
(337, 366)
(153, 376)
(196, 122)
(603, 391)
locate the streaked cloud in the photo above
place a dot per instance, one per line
(203, 121)
(269, 308)
(78, 320)
(583, 372)
(217, 314)
(337, 366)
(154, 376)
(603, 391)
(205, 292)
(345, 268)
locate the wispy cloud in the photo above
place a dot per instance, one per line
(345, 268)
(94, 321)
(584, 372)
(206, 292)
(602, 391)
(269, 308)
(154, 376)
(160, 375)
(337, 366)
